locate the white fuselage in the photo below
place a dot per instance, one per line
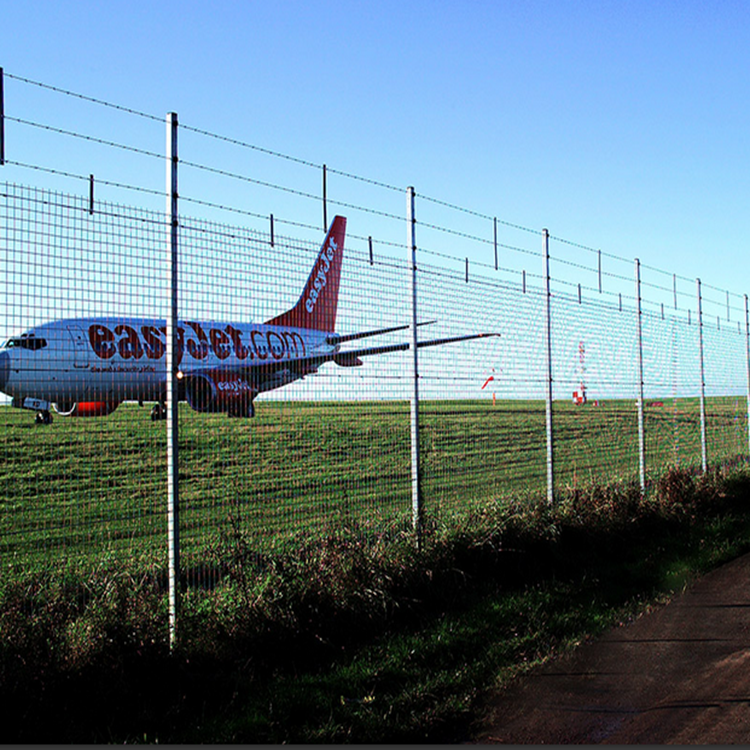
(119, 359)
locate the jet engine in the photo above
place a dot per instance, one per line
(86, 408)
(220, 392)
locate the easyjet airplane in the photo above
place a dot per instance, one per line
(85, 367)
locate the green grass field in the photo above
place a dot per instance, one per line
(83, 488)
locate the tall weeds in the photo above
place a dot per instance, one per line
(64, 631)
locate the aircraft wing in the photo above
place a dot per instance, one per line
(231, 388)
(350, 358)
(309, 363)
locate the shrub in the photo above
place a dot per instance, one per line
(675, 491)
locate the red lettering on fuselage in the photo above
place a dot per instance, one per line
(220, 343)
(153, 345)
(261, 350)
(129, 345)
(200, 350)
(292, 347)
(240, 350)
(126, 341)
(276, 345)
(102, 341)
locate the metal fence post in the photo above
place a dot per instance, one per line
(494, 224)
(639, 402)
(704, 453)
(416, 495)
(325, 199)
(548, 390)
(2, 119)
(747, 360)
(173, 527)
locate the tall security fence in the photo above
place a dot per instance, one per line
(592, 368)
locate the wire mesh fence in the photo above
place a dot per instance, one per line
(334, 444)
(86, 287)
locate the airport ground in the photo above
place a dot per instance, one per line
(678, 674)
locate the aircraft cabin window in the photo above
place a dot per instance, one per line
(33, 343)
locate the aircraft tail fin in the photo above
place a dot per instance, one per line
(316, 307)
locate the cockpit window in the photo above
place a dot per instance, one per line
(26, 341)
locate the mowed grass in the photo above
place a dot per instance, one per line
(84, 488)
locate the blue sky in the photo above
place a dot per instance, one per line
(617, 125)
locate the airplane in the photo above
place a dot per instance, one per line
(86, 367)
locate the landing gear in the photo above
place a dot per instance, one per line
(242, 411)
(43, 417)
(158, 412)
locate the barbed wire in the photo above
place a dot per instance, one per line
(470, 212)
(244, 144)
(646, 267)
(366, 180)
(364, 209)
(200, 131)
(309, 164)
(91, 99)
(189, 199)
(286, 157)
(475, 238)
(598, 251)
(61, 200)
(245, 178)
(87, 178)
(84, 137)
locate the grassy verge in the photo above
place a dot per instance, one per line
(355, 637)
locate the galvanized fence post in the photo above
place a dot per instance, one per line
(173, 505)
(548, 389)
(325, 199)
(704, 452)
(494, 224)
(416, 494)
(639, 401)
(747, 360)
(2, 119)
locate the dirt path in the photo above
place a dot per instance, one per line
(679, 674)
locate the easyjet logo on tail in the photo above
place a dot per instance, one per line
(316, 306)
(324, 265)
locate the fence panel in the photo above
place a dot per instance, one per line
(330, 447)
(726, 401)
(482, 417)
(86, 487)
(334, 446)
(594, 354)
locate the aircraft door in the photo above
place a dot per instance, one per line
(80, 347)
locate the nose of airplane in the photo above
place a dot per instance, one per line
(4, 369)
